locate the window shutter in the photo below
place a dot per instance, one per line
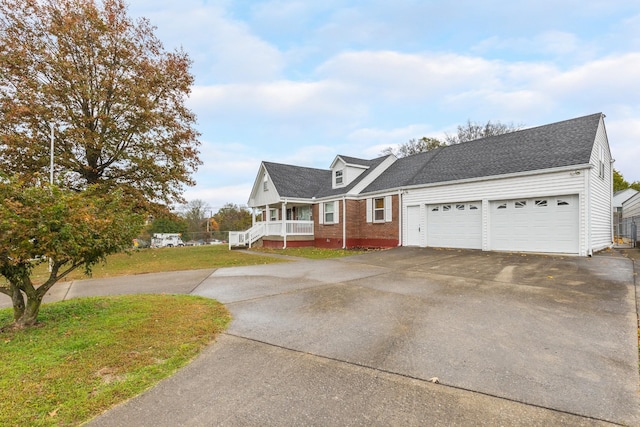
(336, 212)
(320, 213)
(387, 209)
(369, 210)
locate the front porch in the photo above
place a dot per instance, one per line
(277, 226)
(274, 234)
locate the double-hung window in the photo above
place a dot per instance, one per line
(601, 164)
(378, 209)
(339, 177)
(329, 213)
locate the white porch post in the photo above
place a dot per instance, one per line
(253, 216)
(267, 213)
(284, 224)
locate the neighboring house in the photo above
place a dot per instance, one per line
(630, 221)
(618, 198)
(543, 189)
(631, 207)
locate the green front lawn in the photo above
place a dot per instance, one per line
(90, 354)
(163, 259)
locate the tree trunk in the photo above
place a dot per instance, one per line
(18, 304)
(29, 315)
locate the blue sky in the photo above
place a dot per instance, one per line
(299, 81)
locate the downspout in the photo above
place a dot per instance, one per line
(399, 217)
(344, 222)
(612, 231)
(284, 224)
(587, 177)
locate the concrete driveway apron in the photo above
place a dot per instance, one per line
(510, 339)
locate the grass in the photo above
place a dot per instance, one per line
(311, 253)
(92, 353)
(163, 259)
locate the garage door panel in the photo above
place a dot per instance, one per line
(544, 224)
(455, 225)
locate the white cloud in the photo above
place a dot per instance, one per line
(552, 42)
(217, 197)
(399, 76)
(624, 138)
(605, 78)
(288, 100)
(223, 49)
(228, 160)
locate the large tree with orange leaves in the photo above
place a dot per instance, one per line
(115, 97)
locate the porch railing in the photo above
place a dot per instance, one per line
(271, 228)
(248, 237)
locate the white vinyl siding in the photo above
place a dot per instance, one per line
(516, 187)
(344, 173)
(264, 192)
(600, 193)
(631, 207)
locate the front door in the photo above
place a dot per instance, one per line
(413, 226)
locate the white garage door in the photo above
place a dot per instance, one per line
(455, 225)
(542, 224)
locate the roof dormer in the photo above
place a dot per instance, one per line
(344, 170)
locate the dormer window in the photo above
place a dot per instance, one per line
(339, 177)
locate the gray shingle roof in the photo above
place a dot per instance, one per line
(296, 181)
(302, 182)
(565, 143)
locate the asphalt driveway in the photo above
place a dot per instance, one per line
(409, 337)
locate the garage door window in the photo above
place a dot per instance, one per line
(446, 208)
(435, 209)
(502, 206)
(460, 207)
(473, 207)
(521, 204)
(541, 203)
(562, 202)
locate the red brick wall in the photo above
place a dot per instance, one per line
(327, 235)
(360, 233)
(279, 244)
